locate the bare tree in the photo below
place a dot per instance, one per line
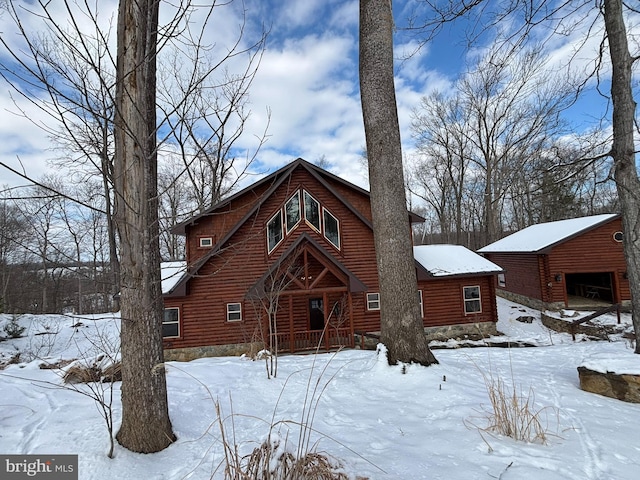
(265, 297)
(563, 19)
(146, 426)
(623, 148)
(440, 176)
(402, 331)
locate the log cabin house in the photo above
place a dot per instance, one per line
(576, 263)
(289, 263)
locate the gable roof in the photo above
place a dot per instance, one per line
(543, 236)
(451, 260)
(171, 273)
(354, 283)
(275, 180)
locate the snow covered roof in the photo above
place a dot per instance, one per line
(171, 273)
(445, 260)
(544, 235)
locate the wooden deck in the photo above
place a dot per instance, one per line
(328, 339)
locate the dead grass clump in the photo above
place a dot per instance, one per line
(81, 372)
(270, 462)
(514, 414)
(13, 360)
(56, 365)
(113, 373)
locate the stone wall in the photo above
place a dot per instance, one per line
(467, 331)
(623, 387)
(188, 354)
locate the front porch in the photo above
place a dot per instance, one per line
(312, 340)
(305, 301)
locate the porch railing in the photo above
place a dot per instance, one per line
(312, 339)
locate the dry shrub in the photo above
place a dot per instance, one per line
(80, 372)
(514, 414)
(56, 365)
(13, 360)
(113, 373)
(270, 462)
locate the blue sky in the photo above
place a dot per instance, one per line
(308, 79)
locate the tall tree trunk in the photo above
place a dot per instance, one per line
(145, 425)
(623, 149)
(402, 330)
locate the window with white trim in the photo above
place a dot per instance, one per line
(331, 228)
(472, 302)
(274, 231)
(234, 312)
(292, 212)
(373, 301)
(171, 323)
(311, 211)
(206, 242)
(421, 304)
(502, 280)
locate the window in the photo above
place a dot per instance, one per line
(373, 301)
(618, 237)
(171, 323)
(206, 242)
(421, 306)
(274, 231)
(292, 212)
(234, 312)
(311, 211)
(502, 281)
(472, 300)
(331, 228)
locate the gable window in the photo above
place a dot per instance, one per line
(206, 242)
(292, 212)
(171, 323)
(472, 300)
(274, 231)
(234, 312)
(311, 211)
(331, 228)
(373, 301)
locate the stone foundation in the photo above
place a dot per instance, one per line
(623, 387)
(188, 354)
(465, 331)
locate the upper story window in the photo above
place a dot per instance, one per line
(206, 242)
(274, 231)
(331, 228)
(292, 212)
(288, 217)
(311, 211)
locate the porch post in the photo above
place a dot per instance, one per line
(325, 306)
(292, 340)
(351, 331)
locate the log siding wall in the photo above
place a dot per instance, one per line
(227, 276)
(542, 276)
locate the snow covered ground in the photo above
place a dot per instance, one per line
(380, 422)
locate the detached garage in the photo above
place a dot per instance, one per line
(575, 263)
